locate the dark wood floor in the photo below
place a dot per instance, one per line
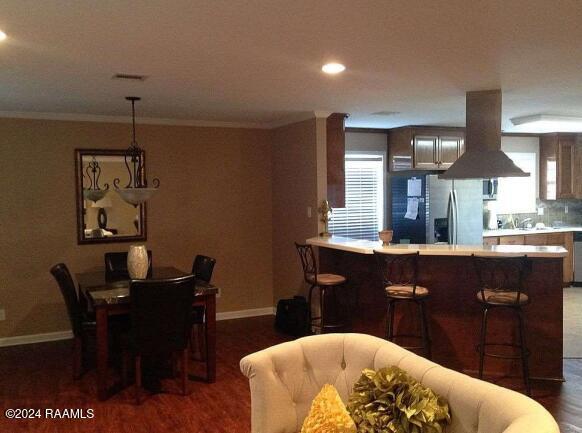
(39, 376)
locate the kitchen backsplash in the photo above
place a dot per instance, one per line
(554, 211)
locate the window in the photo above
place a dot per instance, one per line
(363, 215)
(518, 194)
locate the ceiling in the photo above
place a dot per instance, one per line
(258, 62)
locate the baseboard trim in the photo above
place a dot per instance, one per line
(35, 338)
(65, 335)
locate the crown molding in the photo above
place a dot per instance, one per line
(299, 117)
(77, 117)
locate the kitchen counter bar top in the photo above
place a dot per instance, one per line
(532, 231)
(368, 247)
(454, 313)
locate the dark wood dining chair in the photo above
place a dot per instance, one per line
(161, 322)
(116, 265)
(202, 269)
(81, 323)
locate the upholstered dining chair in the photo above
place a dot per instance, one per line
(161, 322)
(81, 323)
(202, 269)
(116, 265)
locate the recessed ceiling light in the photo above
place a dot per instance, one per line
(333, 68)
(540, 123)
(2, 35)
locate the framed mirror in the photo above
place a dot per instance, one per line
(102, 215)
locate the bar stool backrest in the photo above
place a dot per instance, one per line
(398, 269)
(308, 262)
(502, 275)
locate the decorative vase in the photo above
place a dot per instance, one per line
(137, 262)
(385, 236)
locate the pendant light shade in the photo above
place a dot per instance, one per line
(137, 190)
(94, 192)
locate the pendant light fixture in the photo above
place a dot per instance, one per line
(136, 191)
(94, 192)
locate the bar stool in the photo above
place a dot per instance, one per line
(399, 275)
(501, 286)
(327, 284)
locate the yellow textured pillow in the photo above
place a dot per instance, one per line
(328, 414)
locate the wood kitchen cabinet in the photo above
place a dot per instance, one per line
(424, 148)
(336, 151)
(512, 240)
(491, 240)
(560, 166)
(565, 240)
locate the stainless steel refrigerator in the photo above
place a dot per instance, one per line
(447, 211)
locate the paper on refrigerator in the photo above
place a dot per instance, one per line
(412, 208)
(414, 187)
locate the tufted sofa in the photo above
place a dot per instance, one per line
(285, 378)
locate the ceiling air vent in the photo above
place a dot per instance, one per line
(132, 77)
(385, 113)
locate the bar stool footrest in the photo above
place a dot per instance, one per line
(500, 356)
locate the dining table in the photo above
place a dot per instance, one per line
(111, 298)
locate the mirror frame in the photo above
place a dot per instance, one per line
(81, 240)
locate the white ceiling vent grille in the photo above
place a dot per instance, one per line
(385, 113)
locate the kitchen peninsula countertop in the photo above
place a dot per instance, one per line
(368, 247)
(532, 231)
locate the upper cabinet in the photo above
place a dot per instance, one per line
(422, 148)
(560, 166)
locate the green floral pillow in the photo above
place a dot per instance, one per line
(391, 401)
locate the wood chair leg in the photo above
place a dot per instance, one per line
(124, 368)
(77, 358)
(201, 340)
(185, 372)
(193, 342)
(174, 361)
(138, 379)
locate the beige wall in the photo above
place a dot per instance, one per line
(294, 189)
(215, 198)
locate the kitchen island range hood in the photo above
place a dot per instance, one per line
(483, 158)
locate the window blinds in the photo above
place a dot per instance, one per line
(363, 215)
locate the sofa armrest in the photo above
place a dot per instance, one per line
(273, 410)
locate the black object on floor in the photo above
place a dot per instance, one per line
(293, 316)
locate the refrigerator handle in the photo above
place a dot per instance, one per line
(450, 218)
(455, 218)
